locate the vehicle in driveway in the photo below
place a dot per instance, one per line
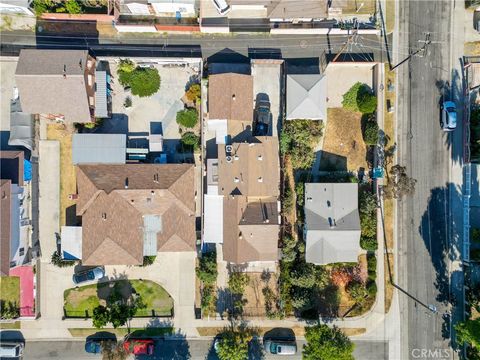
(262, 118)
(449, 116)
(278, 347)
(88, 275)
(11, 350)
(139, 346)
(222, 7)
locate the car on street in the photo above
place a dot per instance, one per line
(280, 347)
(262, 118)
(222, 7)
(139, 346)
(88, 275)
(11, 350)
(95, 346)
(449, 116)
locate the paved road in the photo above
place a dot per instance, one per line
(205, 45)
(425, 225)
(194, 350)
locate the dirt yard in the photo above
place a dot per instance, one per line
(254, 295)
(343, 147)
(68, 182)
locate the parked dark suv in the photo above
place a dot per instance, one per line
(262, 118)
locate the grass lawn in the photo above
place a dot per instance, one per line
(86, 298)
(121, 332)
(254, 295)
(343, 147)
(356, 7)
(389, 15)
(68, 181)
(10, 289)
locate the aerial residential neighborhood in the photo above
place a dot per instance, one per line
(240, 179)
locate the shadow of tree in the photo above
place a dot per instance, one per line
(443, 244)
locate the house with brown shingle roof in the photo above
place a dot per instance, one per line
(134, 210)
(247, 181)
(59, 84)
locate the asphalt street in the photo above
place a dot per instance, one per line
(179, 349)
(251, 45)
(425, 219)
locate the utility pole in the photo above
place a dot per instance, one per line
(350, 41)
(423, 48)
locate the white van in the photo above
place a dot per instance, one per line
(11, 350)
(222, 7)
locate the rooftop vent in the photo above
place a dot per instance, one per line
(229, 148)
(228, 159)
(233, 97)
(309, 199)
(236, 179)
(155, 178)
(152, 192)
(329, 204)
(260, 157)
(331, 223)
(236, 157)
(260, 179)
(104, 216)
(126, 183)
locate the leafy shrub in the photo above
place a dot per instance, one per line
(360, 98)
(371, 262)
(288, 200)
(42, 6)
(357, 291)
(209, 300)
(128, 102)
(327, 343)
(194, 93)
(73, 7)
(289, 251)
(372, 288)
(9, 310)
(187, 118)
(207, 268)
(302, 298)
(341, 276)
(368, 243)
(148, 260)
(298, 139)
(370, 135)
(299, 190)
(190, 139)
(59, 262)
(144, 81)
(237, 282)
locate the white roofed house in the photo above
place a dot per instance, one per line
(306, 97)
(332, 223)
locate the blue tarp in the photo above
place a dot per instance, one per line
(27, 170)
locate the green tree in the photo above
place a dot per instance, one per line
(187, 118)
(100, 317)
(73, 7)
(144, 82)
(233, 343)
(209, 300)
(302, 298)
(194, 93)
(190, 139)
(207, 268)
(360, 98)
(469, 332)
(370, 135)
(298, 139)
(42, 6)
(357, 291)
(124, 71)
(237, 282)
(325, 343)
(368, 220)
(399, 183)
(289, 249)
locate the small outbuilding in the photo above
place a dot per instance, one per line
(99, 149)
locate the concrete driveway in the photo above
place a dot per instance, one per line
(341, 77)
(268, 80)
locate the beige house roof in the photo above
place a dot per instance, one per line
(251, 169)
(114, 201)
(54, 82)
(230, 97)
(250, 230)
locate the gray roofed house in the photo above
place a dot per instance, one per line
(57, 83)
(306, 96)
(332, 223)
(99, 148)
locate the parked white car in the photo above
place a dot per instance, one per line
(222, 7)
